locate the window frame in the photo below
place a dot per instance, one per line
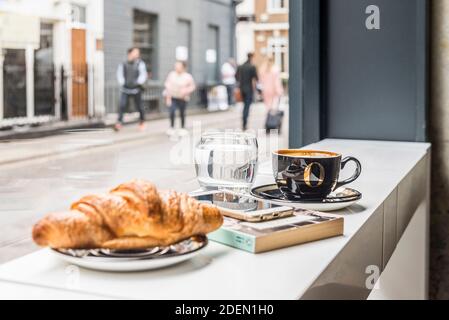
(305, 87)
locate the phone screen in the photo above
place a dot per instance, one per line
(235, 202)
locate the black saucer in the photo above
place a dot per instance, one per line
(272, 192)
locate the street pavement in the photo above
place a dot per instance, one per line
(47, 174)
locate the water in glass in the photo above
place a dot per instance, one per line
(226, 160)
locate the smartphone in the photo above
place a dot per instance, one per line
(243, 207)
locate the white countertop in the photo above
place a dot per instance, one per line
(222, 272)
(11, 290)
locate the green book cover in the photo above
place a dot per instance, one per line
(234, 239)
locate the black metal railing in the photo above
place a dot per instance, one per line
(63, 93)
(51, 94)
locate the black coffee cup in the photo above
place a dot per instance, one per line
(310, 174)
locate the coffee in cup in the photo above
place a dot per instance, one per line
(309, 174)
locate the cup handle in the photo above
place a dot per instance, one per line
(357, 173)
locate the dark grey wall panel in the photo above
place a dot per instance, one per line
(375, 80)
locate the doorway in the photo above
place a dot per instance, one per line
(79, 74)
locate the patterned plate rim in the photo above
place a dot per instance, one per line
(91, 254)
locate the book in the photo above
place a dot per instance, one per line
(305, 226)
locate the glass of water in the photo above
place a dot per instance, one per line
(227, 160)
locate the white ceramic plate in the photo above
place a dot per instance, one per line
(116, 261)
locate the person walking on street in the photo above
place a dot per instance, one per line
(247, 78)
(228, 72)
(178, 88)
(271, 83)
(131, 76)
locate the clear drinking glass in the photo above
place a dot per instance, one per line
(227, 160)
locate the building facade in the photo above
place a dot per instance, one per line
(58, 58)
(197, 31)
(269, 22)
(51, 60)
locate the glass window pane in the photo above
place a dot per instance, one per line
(14, 75)
(144, 38)
(78, 14)
(212, 53)
(184, 40)
(44, 85)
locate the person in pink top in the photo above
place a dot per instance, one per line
(178, 88)
(271, 83)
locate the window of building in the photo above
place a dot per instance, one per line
(145, 38)
(14, 91)
(78, 14)
(278, 49)
(184, 42)
(44, 71)
(212, 53)
(277, 6)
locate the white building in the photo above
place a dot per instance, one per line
(37, 40)
(245, 29)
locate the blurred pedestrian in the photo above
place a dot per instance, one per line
(271, 84)
(178, 88)
(247, 78)
(228, 72)
(131, 76)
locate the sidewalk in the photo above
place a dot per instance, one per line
(74, 141)
(50, 128)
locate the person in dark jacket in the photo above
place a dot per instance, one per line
(247, 78)
(131, 76)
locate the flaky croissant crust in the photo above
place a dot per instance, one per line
(134, 215)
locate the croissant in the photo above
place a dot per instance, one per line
(134, 215)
